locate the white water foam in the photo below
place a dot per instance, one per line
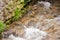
(12, 37)
(30, 34)
(47, 5)
(34, 34)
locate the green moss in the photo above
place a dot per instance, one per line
(2, 26)
(17, 13)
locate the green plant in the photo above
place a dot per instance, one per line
(2, 26)
(18, 13)
(19, 10)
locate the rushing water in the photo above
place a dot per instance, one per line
(30, 34)
(47, 5)
(33, 32)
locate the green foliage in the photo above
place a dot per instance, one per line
(2, 26)
(19, 11)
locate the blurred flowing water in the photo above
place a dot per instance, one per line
(30, 34)
(38, 24)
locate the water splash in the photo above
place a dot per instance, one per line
(12, 37)
(31, 34)
(47, 5)
(34, 34)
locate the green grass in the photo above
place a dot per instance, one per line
(2, 26)
(19, 11)
(17, 14)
